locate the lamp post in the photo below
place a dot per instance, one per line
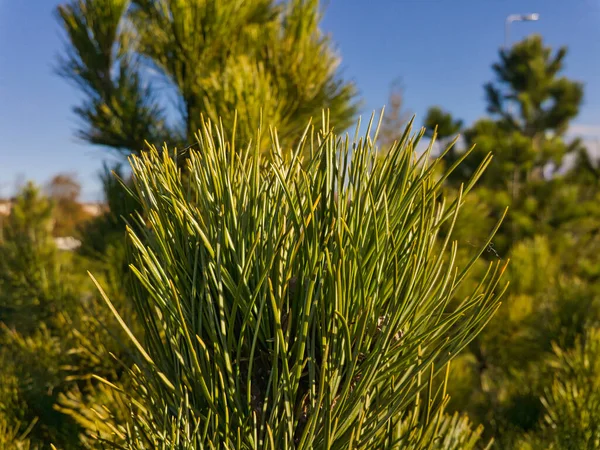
(533, 17)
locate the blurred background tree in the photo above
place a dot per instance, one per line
(150, 69)
(531, 106)
(27, 251)
(551, 238)
(53, 332)
(69, 215)
(396, 116)
(445, 127)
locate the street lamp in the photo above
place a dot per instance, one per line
(533, 17)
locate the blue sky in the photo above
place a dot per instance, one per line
(442, 50)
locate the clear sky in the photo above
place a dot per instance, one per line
(442, 50)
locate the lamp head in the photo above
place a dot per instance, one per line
(533, 17)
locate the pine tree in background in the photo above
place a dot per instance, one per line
(572, 401)
(52, 335)
(444, 128)
(108, 229)
(532, 105)
(27, 253)
(34, 290)
(444, 124)
(267, 60)
(551, 237)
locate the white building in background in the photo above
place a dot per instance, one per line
(5, 208)
(94, 209)
(67, 243)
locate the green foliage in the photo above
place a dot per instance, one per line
(11, 438)
(285, 308)
(120, 110)
(514, 152)
(447, 433)
(34, 287)
(28, 257)
(52, 335)
(528, 79)
(299, 299)
(266, 60)
(105, 233)
(442, 122)
(572, 402)
(99, 411)
(531, 106)
(550, 237)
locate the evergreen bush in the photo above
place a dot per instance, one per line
(302, 300)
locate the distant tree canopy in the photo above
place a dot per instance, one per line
(64, 190)
(396, 116)
(447, 126)
(63, 186)
(531, 106)
(528, 80)
(265, 59)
